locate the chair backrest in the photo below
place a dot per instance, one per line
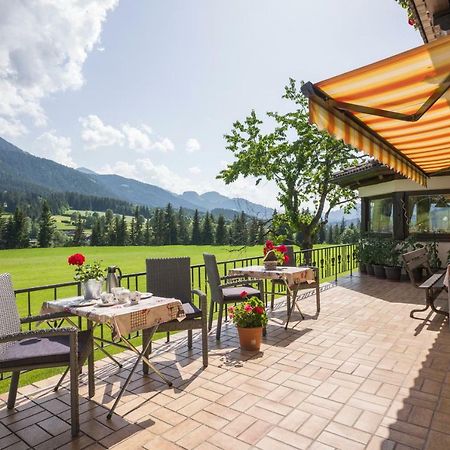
(417, 259)
(290, 253)
(170, 277)
(212, 274)
(10, 320)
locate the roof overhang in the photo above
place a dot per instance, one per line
(432, 18)
(396, 110)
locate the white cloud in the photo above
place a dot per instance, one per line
(44, 45)
(192, 145)
(120, 168)
(57, 148)
(11, 128)
(137, 139)
(195, 170)
(163, 145)
(96, 134)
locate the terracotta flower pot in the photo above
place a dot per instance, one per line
(250, 338)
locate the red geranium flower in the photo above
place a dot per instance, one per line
(258, 309)
(76, 260)
(248, 308)
(281, 248)
(243, 294)
(269, 245)
(286, 259)
(411, 21)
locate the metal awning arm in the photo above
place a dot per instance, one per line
(312, 91)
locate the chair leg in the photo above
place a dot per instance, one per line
(211, 313)
(189, 339)
(168, 336)
(204, 340)
(13, 389)
(219, 321)
(58, 384)
(74, 399)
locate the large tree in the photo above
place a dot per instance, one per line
(46, 226)
(299, 158)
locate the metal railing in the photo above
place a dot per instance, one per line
(331, 262)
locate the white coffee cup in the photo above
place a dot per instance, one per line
(135, 296)
(124, 296)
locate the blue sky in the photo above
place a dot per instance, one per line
(147, 88)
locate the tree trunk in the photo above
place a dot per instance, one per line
(307, 248)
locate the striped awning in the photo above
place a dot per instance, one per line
(396, 110)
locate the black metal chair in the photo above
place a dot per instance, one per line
(171, 277)
(39, 348)
(222, 294)
(280, 284)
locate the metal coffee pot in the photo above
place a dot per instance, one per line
(112, 279)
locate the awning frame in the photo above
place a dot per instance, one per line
(315, 94)
(310, 90)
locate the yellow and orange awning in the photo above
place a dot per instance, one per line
(396, 110)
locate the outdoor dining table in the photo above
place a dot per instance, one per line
(295, 279)
(122, 319)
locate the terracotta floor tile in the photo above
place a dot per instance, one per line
(254, 432)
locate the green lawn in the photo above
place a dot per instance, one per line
(41, 266)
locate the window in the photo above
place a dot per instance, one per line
(381, 215)
(429, 213)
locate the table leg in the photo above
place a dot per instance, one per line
(91, 381)
(140, 355)
(146, 343)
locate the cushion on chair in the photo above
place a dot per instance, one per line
(233, 294)
(51, 350)
(191, 311)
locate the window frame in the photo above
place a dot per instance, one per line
(441, 237)
(366, 211)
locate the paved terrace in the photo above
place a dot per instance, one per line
(361, 375)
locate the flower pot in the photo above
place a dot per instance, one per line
(270, 265)
(379, 271)
(250, 338)
(91, 289)
(362, 267)
(393, 273)
(369, 268)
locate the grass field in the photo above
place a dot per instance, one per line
(41, 266)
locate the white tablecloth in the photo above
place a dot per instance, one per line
(123, 319)
(292, 275)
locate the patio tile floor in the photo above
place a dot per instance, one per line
(362, 374)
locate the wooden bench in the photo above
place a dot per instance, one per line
(434, 283)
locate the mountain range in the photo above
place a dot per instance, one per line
(20, 171)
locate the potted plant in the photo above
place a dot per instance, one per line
(274, 255)
(89, 275)
(393, 266)
(367, 252)
(250, 318)
(380, 255)
(362, 254)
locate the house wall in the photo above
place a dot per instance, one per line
(404, 186)
(389, 187)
